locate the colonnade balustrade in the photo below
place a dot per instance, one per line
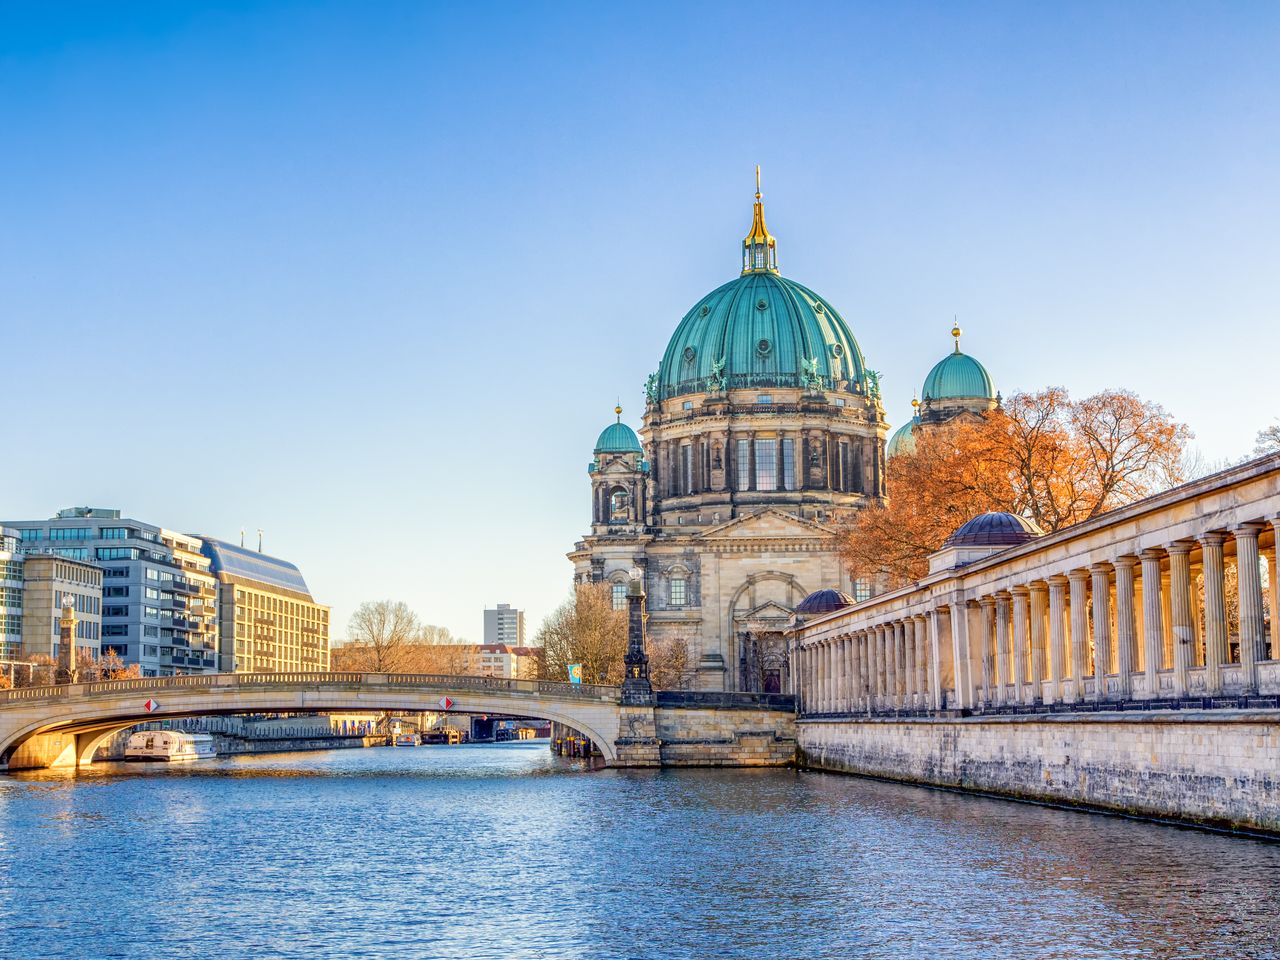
(1188, 620)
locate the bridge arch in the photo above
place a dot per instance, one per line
(63, 725)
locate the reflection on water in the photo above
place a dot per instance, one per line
(506, 852)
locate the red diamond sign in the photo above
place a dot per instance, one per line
(445, 703)
(151, 706)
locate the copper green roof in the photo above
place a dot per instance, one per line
(902, 441)
(618, 438)
(760, 330)
(956, 376)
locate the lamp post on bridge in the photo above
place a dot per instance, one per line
(636, 688)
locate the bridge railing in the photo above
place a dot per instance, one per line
(223, 681)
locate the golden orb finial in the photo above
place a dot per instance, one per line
(618, 411)
(955, 332)
(915, 403)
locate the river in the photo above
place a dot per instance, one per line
(503, 851)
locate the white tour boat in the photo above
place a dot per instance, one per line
(169, 745)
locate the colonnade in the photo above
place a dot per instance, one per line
(1184, 619)
(885, 667)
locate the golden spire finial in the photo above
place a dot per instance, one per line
(955, 332)
(618, 410)
(759, 249)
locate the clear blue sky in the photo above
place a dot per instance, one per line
(371, 276)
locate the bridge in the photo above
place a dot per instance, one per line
(63, 725)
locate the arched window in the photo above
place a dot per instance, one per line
(619, 596)
(618, 504)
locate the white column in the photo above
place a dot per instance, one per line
(1152, 621)
(875, 640)
(1023, 693)
(923, 696)
(1101, 628)
(1252, 625)
(1079, 630)
(1126, 624)
(893, 642)
(1057, 633)
(909, 673)
(1215, 612)
(1181, 616)
(1004, 655)
(1039, 616)
(958, 615)
(1273, 574)
(987, 605)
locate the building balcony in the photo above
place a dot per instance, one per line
(184, 586)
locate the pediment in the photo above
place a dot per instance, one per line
(769, 524)
(768, 610)
(615, 468)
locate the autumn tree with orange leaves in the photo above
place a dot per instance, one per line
(1044, 456)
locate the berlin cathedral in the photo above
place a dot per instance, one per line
(763, 430)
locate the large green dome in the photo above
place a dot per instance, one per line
(958, 376)
(903, 440)
(760, 330)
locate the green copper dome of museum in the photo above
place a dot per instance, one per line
(760, 331)
(958, 376)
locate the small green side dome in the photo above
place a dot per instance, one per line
(760, 330)
(958, 376)
(618, 438)
(902, 441)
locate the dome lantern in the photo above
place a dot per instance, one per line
(759, 249)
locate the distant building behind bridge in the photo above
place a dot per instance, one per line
(170, 602)
(504, 624)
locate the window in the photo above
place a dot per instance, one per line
(678, 591)
(116, 572)
(26, 536)
(115, 630)
(152, 613)
(764, 398)
(151, 593)
(844, 466)
(766, 464)
(788, 464)
(115, 591)
(112, 610)
(686, 468)
(687, 405)
(117, 553)
(861, 590)
(619, 595)
(113, 533)
(69, 533)
(744, 464)
(73, 553)
(839, 401)
(148, 631)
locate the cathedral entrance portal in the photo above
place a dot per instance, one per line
(762, 661)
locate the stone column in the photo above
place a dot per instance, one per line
(909, 656)
(1181, 616)
(1021, 604)
(1252, 624)
(1079, 631)
(893, 663)
(855, 672)
(923, 698)
(988, 607)
(1126, 624)
(1274, 572)
(873, 667)
(1057, 634)
(958, 614)
(867, 670)
(1152, 621)
(1101, 628)
(1004, 656)
(832, 679)
(1039, 614)
(1215, 612)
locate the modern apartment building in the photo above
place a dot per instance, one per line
(10, 596)
(268, 620)
(47, 581)
(159, 600)
(502, 624)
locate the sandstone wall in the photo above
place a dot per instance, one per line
(726, 737)
(1220, 768)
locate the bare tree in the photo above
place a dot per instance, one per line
(1268, 441)
(378, 634)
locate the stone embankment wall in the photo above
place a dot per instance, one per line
(1218, 767)
(725, 737)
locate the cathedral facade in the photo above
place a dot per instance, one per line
(763, 429)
